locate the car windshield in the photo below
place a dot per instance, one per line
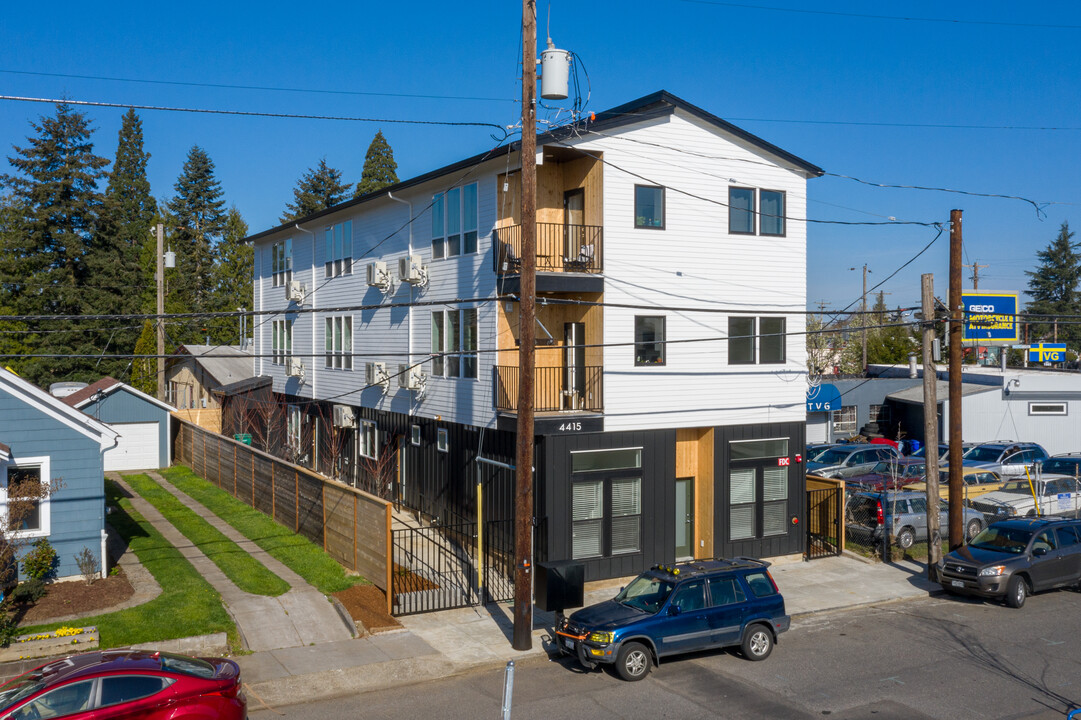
(983, 454)
(1002, 539)
(833, 456)
(1018, 486)
(814, 453)
(914, 470)
(645, 592)
(886, 468)
(1061, 467)
(21, 687)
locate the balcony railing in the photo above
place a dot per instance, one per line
(555, 389)
(560, 248)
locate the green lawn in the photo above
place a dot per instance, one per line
(187, 606)
(246, 572)
(295, 551)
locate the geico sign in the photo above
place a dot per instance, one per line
(981, 308)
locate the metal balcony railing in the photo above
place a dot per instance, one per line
(555, 389)
(560, 248)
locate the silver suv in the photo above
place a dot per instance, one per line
(1007, 459)
(848, 460)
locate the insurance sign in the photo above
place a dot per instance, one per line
(989, 317)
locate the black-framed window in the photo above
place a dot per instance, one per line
(649, 340)
(772, 214)
(281, 262)
(771, 342)
(282, 342)
(649, 207)
(766, 346)
(741, 341)
(741, 211)
(338, 341)
(606, 502)
(454, 222)
(338, 242)
(454, 343)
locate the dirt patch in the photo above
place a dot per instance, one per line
(76, 598)
(368, 605)
(408, 581)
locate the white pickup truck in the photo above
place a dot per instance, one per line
(1042, 496)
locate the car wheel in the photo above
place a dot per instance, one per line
(757, 643)
(633, 661)
(1016, 591)
(973, 529)
(906, 538)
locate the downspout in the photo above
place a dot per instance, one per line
(409, 317)
(312, 298)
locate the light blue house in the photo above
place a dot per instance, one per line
(142, 422)
(44, 438)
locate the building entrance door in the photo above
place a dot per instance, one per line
(684, 518)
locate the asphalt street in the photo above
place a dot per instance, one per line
(928, 658)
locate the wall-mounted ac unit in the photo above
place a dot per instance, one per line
(294, 291)
(411, 270)
(379, 277)
(411, 378)
(296, 368)
(344, 417)
(376, 374)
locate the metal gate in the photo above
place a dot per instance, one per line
(824, 538)
(435, 567)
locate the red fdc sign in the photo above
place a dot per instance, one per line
(783, 462)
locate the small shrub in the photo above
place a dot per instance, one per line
(9, 629)
(29, 592)
(88, 565)
(41, 562)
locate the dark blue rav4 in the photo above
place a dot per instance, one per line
(691, 606)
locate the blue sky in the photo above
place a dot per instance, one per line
(767, 70)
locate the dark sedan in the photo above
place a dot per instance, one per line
(890, 475)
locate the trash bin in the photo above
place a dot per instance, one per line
(243, 437)
(559, 585)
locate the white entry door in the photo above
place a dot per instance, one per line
(136, 449)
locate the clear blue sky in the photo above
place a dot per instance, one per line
(757, 67)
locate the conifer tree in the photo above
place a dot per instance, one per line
(318, 189)
(232, 278)
(379, 167)
(197, 219)
(1053, 287)
(55, 188)
(144, 371)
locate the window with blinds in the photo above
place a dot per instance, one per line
(741, 501)
(606, 517)
(587, 514)
(626, 515)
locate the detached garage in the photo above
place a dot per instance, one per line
(141, 421)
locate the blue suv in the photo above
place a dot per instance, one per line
(690, 606)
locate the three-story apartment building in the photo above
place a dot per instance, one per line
(670, 360)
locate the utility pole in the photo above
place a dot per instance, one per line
(930, 426)
(976, 274)
(864, 323)
(161, 311)
(956, 318)
(523, 487)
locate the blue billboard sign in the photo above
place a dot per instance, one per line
(1047, 352)
(989, 317)
(823, 398)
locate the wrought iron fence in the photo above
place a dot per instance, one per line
(560, 248)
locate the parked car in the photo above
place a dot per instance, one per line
(1068, 464)
(943, 451)
(691, 606)
(904, 512)
(977, 482)
(1007, 459)
(889, 475)
(1013, 558)
(813, 450)
(127, 683)
(848, 460)
(1024, 497)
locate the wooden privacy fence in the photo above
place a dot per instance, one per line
(351, 525)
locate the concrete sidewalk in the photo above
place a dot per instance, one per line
(452, 642)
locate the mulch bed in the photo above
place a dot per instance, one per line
(408, 581)
(75, 597)
(368, 605)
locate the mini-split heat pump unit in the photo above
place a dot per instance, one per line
(296, 368)
(410, 378)
(411, 270)
(294, 291)
(344, 417)
(379, 277)
(376, 374)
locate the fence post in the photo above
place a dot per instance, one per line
(273, 484)
(323, 487)
(253, 479)
(234, 471)
(354, 533)
(296, 505)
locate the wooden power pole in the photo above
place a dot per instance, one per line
(956, 318)
(161, 311)
(864, 320)
(930, 426)
(523, 487)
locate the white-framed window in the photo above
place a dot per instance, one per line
(442, 443)
(36, 516)
(281, 262)
(1047, 408)
(742, 212)
(338, 240)
(844, 420)
(454, 222)
(338, 336)
(368, 440)
(293, 426)
(414, 432)
(880, 414)
(454, 343)
(282, 331)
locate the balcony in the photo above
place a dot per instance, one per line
(561, 248)
(555, 389)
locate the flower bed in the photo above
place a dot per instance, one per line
(62, 641)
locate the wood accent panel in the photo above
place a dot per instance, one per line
(553, 179)
(207, 418)
(553, 317)
(704, 487)
(587, 173)
(550, 193)
(509, 204)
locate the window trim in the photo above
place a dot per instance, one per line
(281, 269)
(743, 338)
(368, 439)
(445, 358)
(294, 427)
(1035, 404)
(337, 346)
(607, 514)
(337, 264)
(442, 440)
(414, 435)
(834, 421)
(753, 211)
(281, 351)
(44, 505)
(662, 342)
(664, 207)
(782, 218)
(439, 200)
(760, 334)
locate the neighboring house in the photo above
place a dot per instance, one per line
(195, 371)
(396, 347)
(143, 423)
(47, 439)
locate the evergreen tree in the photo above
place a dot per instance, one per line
(120, 283)
(1053, 287)
(197, 219)
(144, 372)
(232, 278)
(14, 336)
(379, 167)
(55, 187)
(318, 189)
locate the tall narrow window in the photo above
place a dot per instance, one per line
(439, 242)
(281, 262)
(454, 222)
(368, 440)
(292, 429)
(339, 249)
(771, 344)
(282, 346)
(741, 341)
(469, 219)
(454, 343)
(741, 211)
(772, 214)
(626, 515)
(649, 340)
(437, 344)
(469, 343)
(587, 519)
(649, 207)
(741, 504)
(338, 342)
